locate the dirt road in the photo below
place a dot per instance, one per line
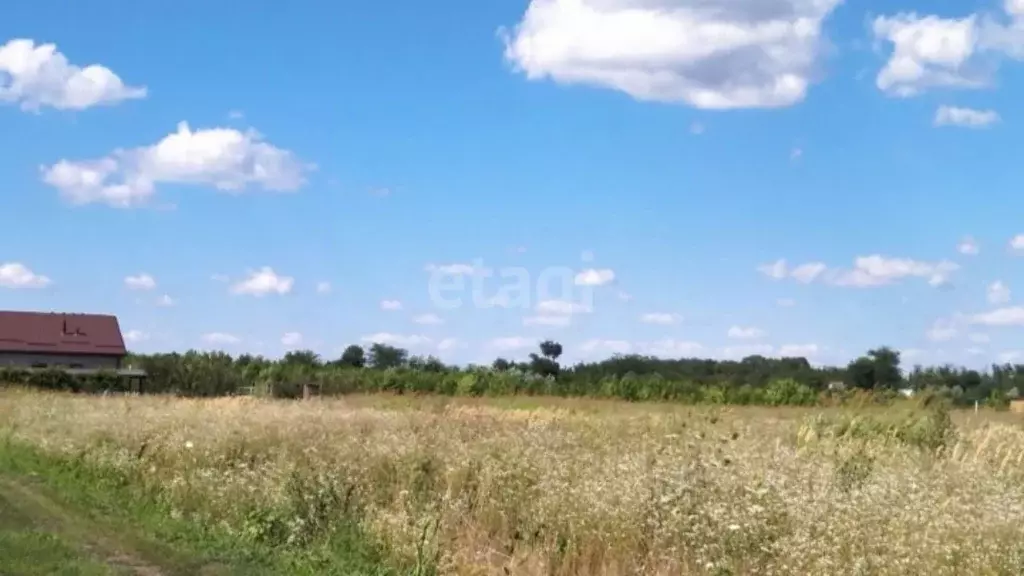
(40, 536)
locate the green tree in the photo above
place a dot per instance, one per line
(383, 356)
(303, 358)
(887, 367)
(353, 357)
(546, 364)
(880, 368)
(551, 350)
(428, 364)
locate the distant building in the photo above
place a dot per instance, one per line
(77, 343)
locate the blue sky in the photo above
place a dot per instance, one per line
(204, 173)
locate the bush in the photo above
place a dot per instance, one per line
(929, 428)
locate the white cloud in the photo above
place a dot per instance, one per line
(1009, 356)
(452, 269)
(396, 339)
(34, 76)
(597, 345)
(543, 320)
(1010, 316)
(998, 293)
(739, 352)
(1005, 38)
(804, 273)
(877, 270)
(965, 117)
(912, 354)
(223, 158)
(928, 52)
(450, 344)
(807, 273)
(561, 307)
(262, 282)
(510, 343)
(17, 275)
(291, 339)
(390, 305)
(220, 338)
(135, 336)
(874, 270)
(165, 301)
(1017, 242)
(776, 270)
(978, 338)
(140, 282)
(785, 302)
(428, 318)
(798, 350)
(745, 333)
(714, 54)
(968, 246)
(975, 351)
(220, 278)
(941, 331)
(933, 52)
(660, 318)
(323, 287)
(594, 277)
(672, 348)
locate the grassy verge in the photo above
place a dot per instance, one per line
(64, 516)
(29, 549)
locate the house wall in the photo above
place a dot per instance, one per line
(17, 359)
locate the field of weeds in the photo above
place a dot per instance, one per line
(529, 486)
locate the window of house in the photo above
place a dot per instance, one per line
(78, 365)
(39, 365)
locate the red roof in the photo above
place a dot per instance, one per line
(56, 333)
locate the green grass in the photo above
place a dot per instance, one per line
(60, 516)
(28, 550)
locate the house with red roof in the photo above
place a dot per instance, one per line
(75, 342)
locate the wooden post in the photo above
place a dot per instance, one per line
(310, 391)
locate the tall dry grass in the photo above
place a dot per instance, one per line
(587, 488)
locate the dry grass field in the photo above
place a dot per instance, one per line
(561, 487)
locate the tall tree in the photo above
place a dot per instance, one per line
(551, 349)
(546, 364)
(353, 357)
(304, 358)
(384, 356)
(887, 367)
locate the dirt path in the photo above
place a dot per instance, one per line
(35, 531)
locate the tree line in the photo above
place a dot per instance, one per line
(385, 368)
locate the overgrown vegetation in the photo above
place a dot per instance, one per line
(878, 377)
(308, 531)
(567, 487)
